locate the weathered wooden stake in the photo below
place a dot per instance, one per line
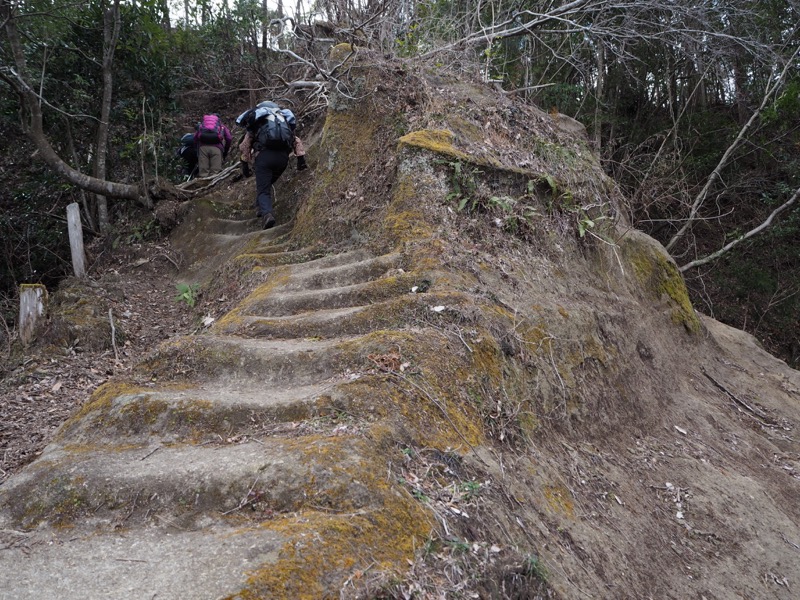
(32, 303)
(76, 239)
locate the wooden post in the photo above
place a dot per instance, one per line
(32, 302)
(76, 239)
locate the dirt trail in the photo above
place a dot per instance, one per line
(440, 404)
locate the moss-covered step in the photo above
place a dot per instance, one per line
(322, 273)
(265, 302)
(188, 484)
(242, 361)
(182, 413)
(158, 561)
(251, 553)
(394, 313)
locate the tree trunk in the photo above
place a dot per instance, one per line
(111, 29)
(598, 94)
(88, 208)
(33, 127)
(265, 8)
(166, 22)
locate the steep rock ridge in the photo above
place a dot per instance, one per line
(451, 371)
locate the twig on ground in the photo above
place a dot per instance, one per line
(246, 500)
(149, 454)
(755, 413)
(113, 335)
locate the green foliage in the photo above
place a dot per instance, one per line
(457, 546)
(585, 223)
(420, 495)
(470, 488)
(187, 293)
(34, 246)
(141, 232)
(408, 44)
(463, 184)
(533, 566)
(786, 107)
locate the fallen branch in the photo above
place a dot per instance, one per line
(756, 414)
(756, 230)
(113, 335)
(246, 500)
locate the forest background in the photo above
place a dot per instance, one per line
(693, 107)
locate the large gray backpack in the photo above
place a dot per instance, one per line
(272, 130)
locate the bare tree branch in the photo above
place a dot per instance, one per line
(723, 162)
(33, 125)
(755, 231)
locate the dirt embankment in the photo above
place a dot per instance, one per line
(450, 371)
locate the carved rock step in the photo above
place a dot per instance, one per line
(219, 225)
(396, 313)
(279, 303)
(326, 273)
(188, 486)
(266, 255)
(150, 562)
(123, 413)
(250, 362)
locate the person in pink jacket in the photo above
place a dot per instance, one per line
(213, 142)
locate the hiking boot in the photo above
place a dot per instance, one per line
(268, 221)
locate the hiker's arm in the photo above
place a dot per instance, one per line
(228, 138)
(246, 147)
(299, 148)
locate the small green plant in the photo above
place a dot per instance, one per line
(463, 184)
(419, 495)
(187, 292)
(430, 547)
(458, 546)
(470, 488)
(515, 213)
(585, 223)
(533, 566)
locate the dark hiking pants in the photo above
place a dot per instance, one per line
(269, 166)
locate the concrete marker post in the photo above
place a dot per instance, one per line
(76, 239)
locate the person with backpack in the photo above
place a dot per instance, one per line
(213, 142)
(269, 140)
(187, 152)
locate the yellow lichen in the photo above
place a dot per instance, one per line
(559, 499)
(100, 401)
(435, 140)
(324, 548)
(657, 273)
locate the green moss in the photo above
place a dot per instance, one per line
(60, 500)
(435, 140)
(234, 319)
(99, 404)
(559, 500)
(341, 51)
(323, 549)
(657, 273)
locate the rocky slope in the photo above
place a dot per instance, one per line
(451, 371)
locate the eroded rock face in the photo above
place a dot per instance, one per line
(451, 367)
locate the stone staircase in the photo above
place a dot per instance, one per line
(233, 464)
